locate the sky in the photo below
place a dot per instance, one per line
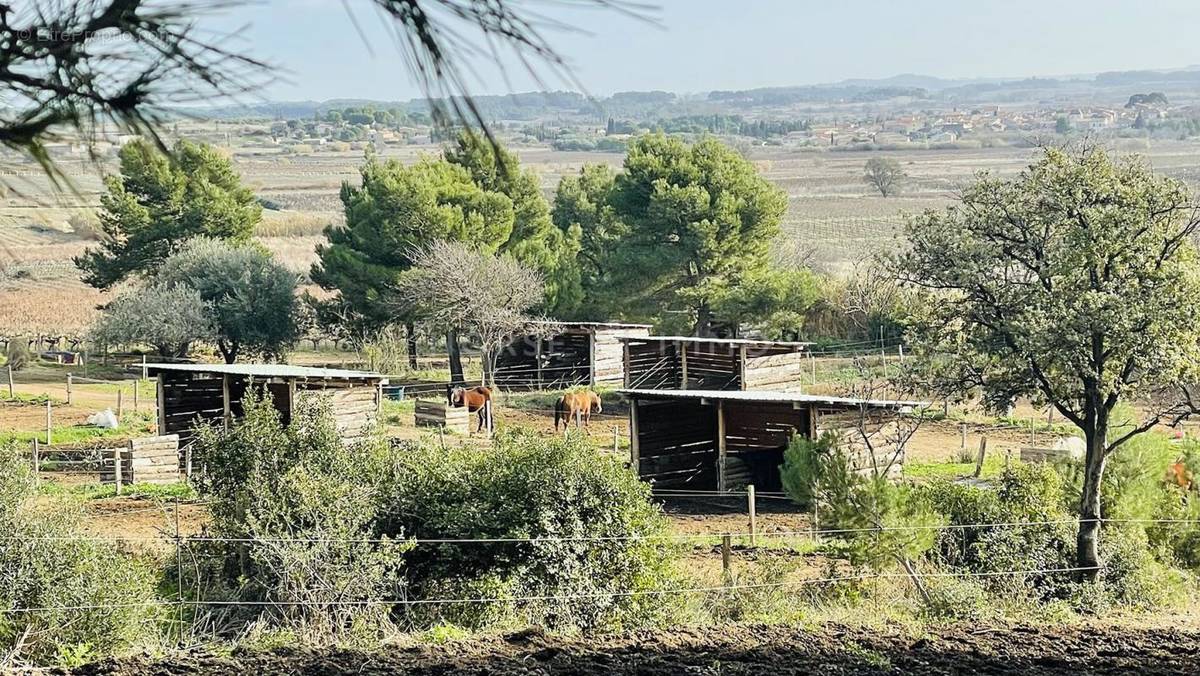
(692, 46)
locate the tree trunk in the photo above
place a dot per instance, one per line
(455, 354)
(410, 337)
(1087, 554)
(228, 350)
(703, 327)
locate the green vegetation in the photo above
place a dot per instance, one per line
(159, 202)
(65, 600)
(1098, 305)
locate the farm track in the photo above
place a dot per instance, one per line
(755, 649)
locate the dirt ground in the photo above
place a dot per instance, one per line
(1024, 650)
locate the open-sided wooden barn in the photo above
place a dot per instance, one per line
(191, 394)
(722, 439)
(575, 353)
(689, 363)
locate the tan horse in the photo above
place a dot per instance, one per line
(475, 399)
(573, 404)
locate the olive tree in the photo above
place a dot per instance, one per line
(885, 175)
(169, 319)
(1074, 283)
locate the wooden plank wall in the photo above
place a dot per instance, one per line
(566, 361)
(677, 445)
(778, 372)
(652, 364)
(609, 354)
(186, 398)
(440, 414)
(756, 435)
(355, 406)
(712, 366)
(152, 460)
(879, 424)
(516, 364)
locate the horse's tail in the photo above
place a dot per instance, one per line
(559, 410)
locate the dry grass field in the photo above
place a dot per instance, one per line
(831, 211)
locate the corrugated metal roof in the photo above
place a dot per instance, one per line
(722, 341)
(769, 396)
(270, 371)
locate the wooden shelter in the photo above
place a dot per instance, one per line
(721, 439)
(690, 363)
(574, 353)
(197, 394)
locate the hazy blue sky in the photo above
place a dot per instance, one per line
(722, 44)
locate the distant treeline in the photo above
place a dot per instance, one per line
(713, 124)
(779, 96)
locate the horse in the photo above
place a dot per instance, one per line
(573, 403)
(475, 399)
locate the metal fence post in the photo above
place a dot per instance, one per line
(753, 514)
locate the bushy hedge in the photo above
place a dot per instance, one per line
(64, 600)
(564, 522)
(327, 530)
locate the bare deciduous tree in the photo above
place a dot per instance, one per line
(460, 287)
(885, 175)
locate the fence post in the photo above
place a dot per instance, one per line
(37, 462)
(753, 514)
(119, 403)
(1032, 434)
(187, 456)
(48, 439)
(616, 444)
(11, 394)
(143, 367)
(178, 573)
(812, 365)
(962, 430)
(136, 387)
(726, 556)
(982, 452)
(70, 382)
(117, 468)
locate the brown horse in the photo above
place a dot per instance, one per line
(576, 403)
(475, 399)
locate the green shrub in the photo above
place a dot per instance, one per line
(299, 506)
(802, 465)
(593, 530)
(594, 526)
(64, 600)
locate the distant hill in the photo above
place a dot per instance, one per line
(529, 106)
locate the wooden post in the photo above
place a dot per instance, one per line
(812, 364)
(982, 453)
(901, 348)
(48, 425)
(625, 348)
(720, 446)
(634, 455)
(1032, 434)
(537, 359)
(160, 398)
(37, 461)
(616, 444)
(962, 430)
(143, 367)
(683, 374)
(117, 468)
(726, 559)
(750, 501)
(11, 394)
(136, 386)
(70, 380)
(227, 410)
(120, 402)
(491, 424)
(188, 461)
